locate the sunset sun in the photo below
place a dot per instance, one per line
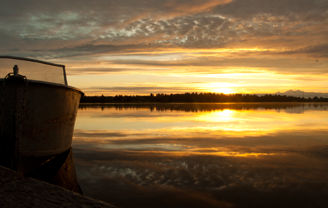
(223, 89)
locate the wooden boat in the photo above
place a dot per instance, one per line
(37, 116)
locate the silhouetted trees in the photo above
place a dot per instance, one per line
(197, 98)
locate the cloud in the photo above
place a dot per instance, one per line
(306, 10)
(69, 30)
(176, 37)
(316, 51)
(254, 62)
(68, 21)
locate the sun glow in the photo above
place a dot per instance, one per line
(217, 87)
(224, 90)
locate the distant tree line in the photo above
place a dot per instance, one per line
(197, 97)
(296, 107)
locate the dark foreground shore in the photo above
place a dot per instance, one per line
(19, 191)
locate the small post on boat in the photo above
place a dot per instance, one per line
(16, 70)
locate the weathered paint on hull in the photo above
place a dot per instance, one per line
(48, 129)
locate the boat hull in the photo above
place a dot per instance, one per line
(37, 121)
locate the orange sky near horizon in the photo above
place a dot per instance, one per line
(140, 47)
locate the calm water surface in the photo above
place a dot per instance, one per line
(203, 155)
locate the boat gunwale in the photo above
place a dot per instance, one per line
(50, 83)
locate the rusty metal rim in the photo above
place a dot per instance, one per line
(33, 60)
(53, 84)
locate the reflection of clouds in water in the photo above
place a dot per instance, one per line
(213, 158)
(202, 141)
(211, 178)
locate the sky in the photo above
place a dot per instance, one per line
(131, 47)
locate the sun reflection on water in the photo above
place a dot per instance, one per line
(138, 127)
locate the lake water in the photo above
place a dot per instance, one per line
(203, 155)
